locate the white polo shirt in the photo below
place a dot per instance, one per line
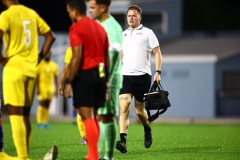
(137, 47)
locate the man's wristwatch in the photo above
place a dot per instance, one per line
(158, 71)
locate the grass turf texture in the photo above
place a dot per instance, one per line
(170, 142)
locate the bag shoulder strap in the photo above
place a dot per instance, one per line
(156, 115)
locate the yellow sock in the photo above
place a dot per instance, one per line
(81, 126)
(45, 116)
(19, 135)
(40, 114)
(28, 131)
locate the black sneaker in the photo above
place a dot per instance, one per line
(148, 139)
(121, 146)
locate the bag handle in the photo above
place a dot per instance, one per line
(155, 86)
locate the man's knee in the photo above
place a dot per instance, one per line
(16, 110)
(139, 106)
(125, 102)
(140, 111)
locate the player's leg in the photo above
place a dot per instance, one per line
(143, 84)
(45, 98)
(46, 106)
(142, 114)
(45, 119)
(108, 124)
(81, 129)
(125, 106)
(86, 104)
(125, 99)
(29, 95)
(14, 100)
(40, 108)
(92, 130)
(74, 115)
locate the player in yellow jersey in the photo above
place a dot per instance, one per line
(20, 27)
(47, 81)
(67, 60)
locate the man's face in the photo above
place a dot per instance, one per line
(71, 13)
(95, 9)
(133, 18)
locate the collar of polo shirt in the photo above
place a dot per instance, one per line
(138, 28)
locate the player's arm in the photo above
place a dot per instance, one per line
(49, 38)
(63, 78)
(56, 84)
(74, 67)
(3, 60)
(1, 46)
(107, 63)
(37, 84)
(158, 63)
(107, 70)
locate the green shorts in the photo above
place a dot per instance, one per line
(111, 106)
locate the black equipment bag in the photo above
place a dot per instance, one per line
(156, 99)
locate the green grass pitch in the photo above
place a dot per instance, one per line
(170, 142)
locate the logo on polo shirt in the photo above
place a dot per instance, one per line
(139, 33)
(125, 34)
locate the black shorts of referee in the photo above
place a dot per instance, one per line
(89, 89)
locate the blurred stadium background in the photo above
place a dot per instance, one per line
(200, 44)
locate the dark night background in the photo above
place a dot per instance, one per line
(198, 15)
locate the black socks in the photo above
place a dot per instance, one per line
(123, 137)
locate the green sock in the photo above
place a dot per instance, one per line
(101, 137)
(110, 139)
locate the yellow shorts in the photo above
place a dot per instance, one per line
(46, 93)
(18, 89)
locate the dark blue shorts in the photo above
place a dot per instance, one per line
(136, 85)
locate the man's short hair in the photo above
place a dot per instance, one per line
(79, 5)
(135, 7)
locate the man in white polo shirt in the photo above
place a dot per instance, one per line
(138, 44)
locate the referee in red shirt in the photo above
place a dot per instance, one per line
(87, 77)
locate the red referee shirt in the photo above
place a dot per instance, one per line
(93, 39)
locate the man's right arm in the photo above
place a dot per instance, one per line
(49, 38)
(2, 59)
(1, 45)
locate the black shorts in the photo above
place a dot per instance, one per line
(136, 85)
(88, 89)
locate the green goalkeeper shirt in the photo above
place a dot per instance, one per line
(114, 32)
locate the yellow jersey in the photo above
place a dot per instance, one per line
(47, 71)
(68, 55)
(22, 26)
